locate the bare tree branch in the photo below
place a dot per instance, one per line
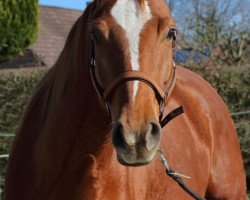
(218, 28)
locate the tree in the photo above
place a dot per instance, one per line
(18, 26)
(218, 29)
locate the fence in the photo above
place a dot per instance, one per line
(240, 113)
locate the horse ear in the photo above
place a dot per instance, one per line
(89, 10)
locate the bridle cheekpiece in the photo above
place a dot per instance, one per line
(106, 93)
(161, 95)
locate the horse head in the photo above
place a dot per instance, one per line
(132, 70)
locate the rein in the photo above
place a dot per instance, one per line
(161, 95)
(169, 171)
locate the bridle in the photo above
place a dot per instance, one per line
(161, 95)
(106, 93)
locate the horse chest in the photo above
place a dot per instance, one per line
(116, 182)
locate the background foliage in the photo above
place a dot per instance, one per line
(18, 26)
(214, 29)
(15, 89)
(232, 83)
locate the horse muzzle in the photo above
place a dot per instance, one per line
(136, 147)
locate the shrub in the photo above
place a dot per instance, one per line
(15, 89)
(18, 26)
(232, 83)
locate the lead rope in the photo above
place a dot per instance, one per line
(170, 172)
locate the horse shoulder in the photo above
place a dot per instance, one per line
(207, 111)
(202, 101)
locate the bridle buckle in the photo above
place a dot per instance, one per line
(162, 105)
(92, 62)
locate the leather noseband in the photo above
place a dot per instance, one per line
(105, 94)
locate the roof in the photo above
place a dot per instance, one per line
(55, 24)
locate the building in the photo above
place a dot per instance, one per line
(55, 24)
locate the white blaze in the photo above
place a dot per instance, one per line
(132, 19)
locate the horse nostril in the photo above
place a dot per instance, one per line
(153, 135)
(118, 135)
(121, 138)
(156, 130)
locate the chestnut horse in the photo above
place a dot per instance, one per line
(68, 148)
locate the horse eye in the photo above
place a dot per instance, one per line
(94, 36)
(171, 34)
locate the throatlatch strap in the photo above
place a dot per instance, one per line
(173, 114)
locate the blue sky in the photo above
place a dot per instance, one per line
(74, 4)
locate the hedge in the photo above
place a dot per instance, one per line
(233, 84)
(18, 26)
(15, 89)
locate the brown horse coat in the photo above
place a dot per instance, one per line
(63, 148)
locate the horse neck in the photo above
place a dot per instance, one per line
(65, 129)
(65, 134)
(74, 109)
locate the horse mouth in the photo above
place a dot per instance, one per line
(133, 163)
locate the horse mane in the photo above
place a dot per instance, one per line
(70, 68)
